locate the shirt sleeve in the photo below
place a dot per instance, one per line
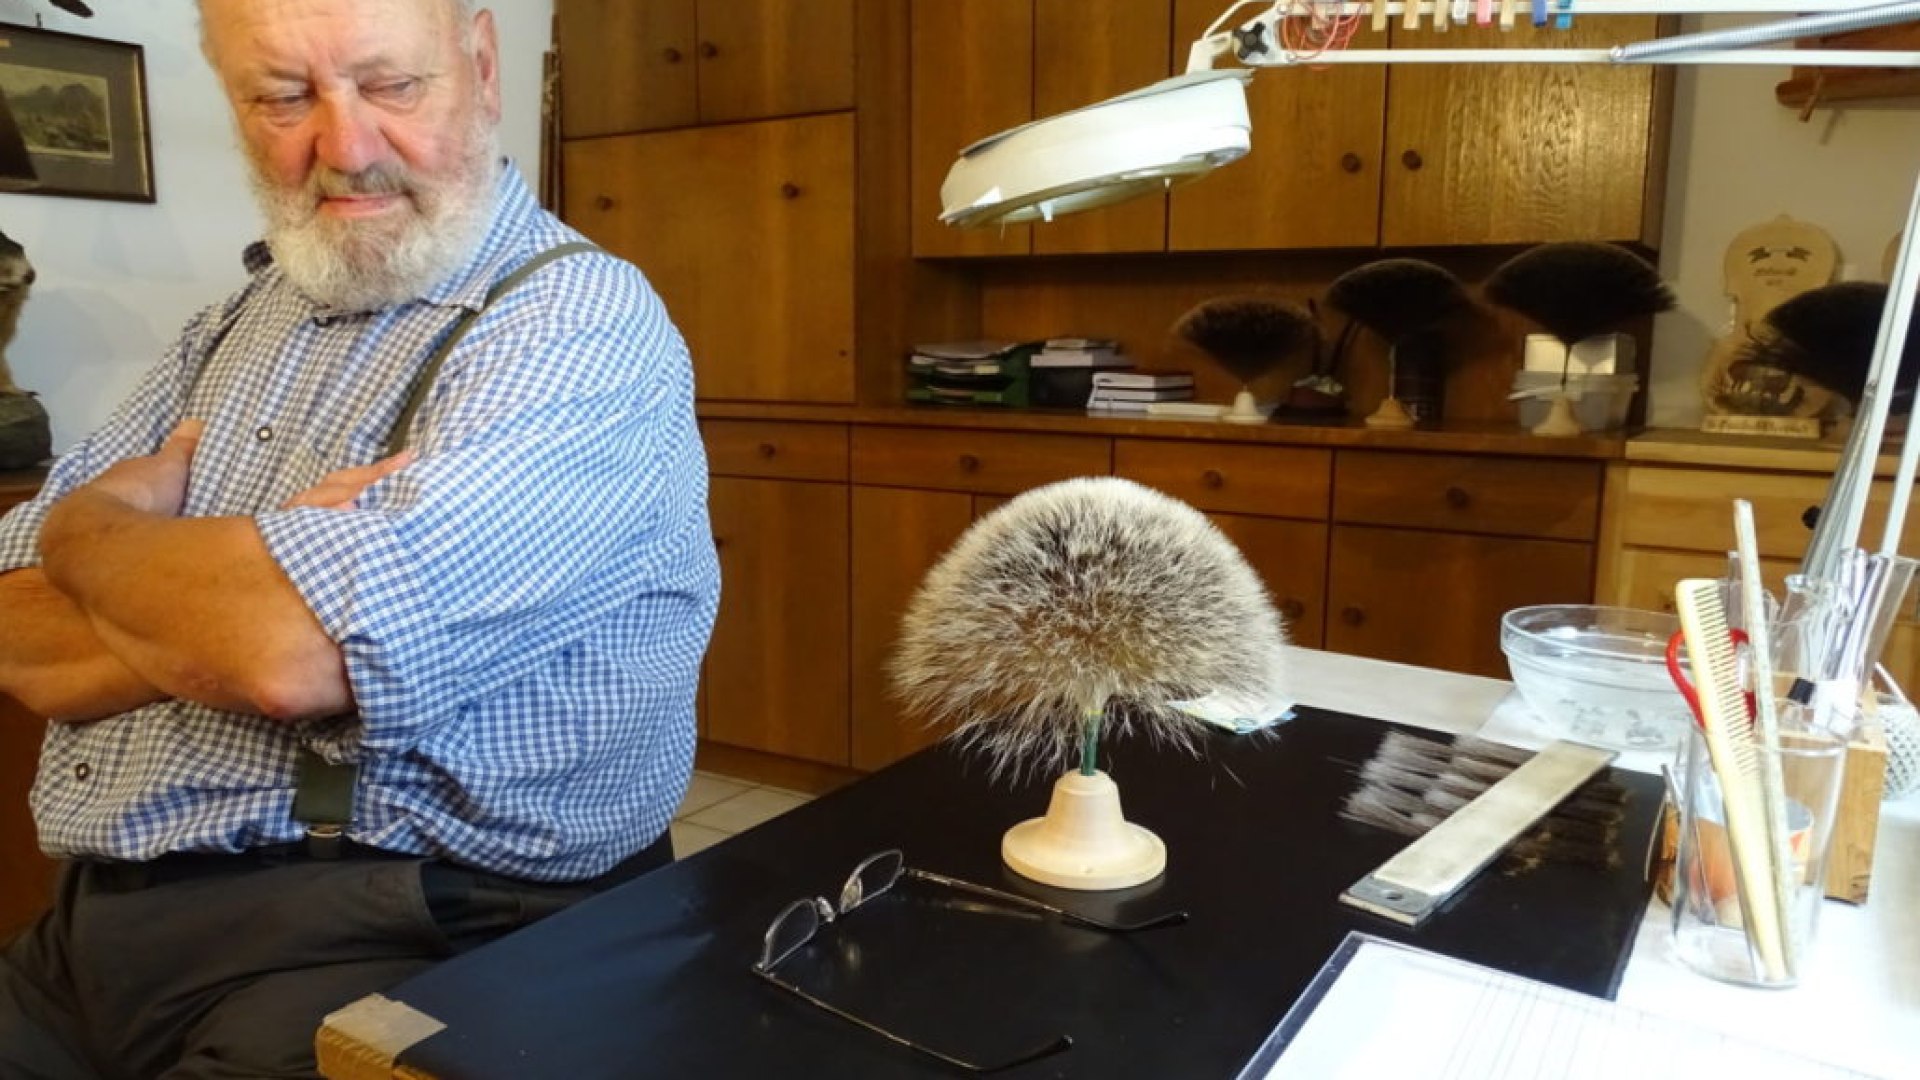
(560, 476)
(137, 427)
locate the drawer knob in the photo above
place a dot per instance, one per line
(1293, 610)
(708, 50)
(1412, 160)
(603, 202)
(789, 190)
(719, 542)
(1458, 498)
(1810, 517)
(670, 54)
(1212, 479)
(1350, 162)
(1352, 616)
(767, 450)
(969, 463)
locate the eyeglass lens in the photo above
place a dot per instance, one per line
(791, 929)
(875, 875)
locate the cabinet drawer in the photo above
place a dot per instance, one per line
(1555, 500)
(994, 463)
(1692, 509)
(776, 450)
(1274, 481)
(1645, 579)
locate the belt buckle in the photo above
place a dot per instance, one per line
(326, 839)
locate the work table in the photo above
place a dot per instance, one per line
(549, 996)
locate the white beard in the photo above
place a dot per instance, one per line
(365, 265)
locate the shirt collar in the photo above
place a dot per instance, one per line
(513, 208)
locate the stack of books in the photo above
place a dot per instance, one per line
(1080, 353)
(970, 373)
(1133, 391)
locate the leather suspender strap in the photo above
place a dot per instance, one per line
(323, 790)
(423, 382)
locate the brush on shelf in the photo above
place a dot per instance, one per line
(1409, 304)
(1411, 784)
(1577, 290)
(1249, 336)
(1826, 336)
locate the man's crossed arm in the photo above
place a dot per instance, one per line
(134, 603)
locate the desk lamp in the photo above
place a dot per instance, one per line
(1081, 610)
(1181, 128)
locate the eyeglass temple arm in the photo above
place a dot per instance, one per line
(1057, 1045)
(1171, 918)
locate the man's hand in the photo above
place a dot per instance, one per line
(339, 489)
(157, 483)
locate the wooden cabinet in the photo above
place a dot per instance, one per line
(898, 535)
(640, 65)
(26, 876)
(1665, 522)
(746, 231)
(1312, 179)
(1083, 53)
(1428, 551)
(1349, 156)
(1270, 501)
(1435, 599)
(972, 76)
(777, 665)
(988, 65)
(1508, 154)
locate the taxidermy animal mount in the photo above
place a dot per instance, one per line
(26, 438)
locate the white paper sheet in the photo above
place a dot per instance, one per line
(1398, 1013)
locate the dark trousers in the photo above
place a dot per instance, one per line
(214, 966)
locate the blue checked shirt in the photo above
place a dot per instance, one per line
(523, 610)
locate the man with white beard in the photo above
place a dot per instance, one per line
(368, 627)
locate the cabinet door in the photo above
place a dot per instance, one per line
(1291, 558)
(1085, 53)
(1435, 599)
(625, 65)
(972, 77)
(1504, 154)
(26, 876)
(766, 58)
(747, 232)
(1313, 177)
(897, 537)
(778, 660)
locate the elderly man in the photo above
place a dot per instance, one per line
(369, 626)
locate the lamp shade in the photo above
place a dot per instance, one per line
(16, 168)
(1174, 130)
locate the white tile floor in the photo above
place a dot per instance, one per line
(717, 807)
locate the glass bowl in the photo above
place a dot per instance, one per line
(1597, 675)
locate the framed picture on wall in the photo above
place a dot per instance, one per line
(81, 105)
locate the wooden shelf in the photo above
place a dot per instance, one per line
(1813, 86)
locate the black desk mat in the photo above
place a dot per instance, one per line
(652, 979)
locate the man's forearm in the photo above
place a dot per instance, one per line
(53, 662)
(195, 605)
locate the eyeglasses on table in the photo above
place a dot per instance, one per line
(798, 922)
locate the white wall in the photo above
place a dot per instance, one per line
(1740, 158)
(118, 280)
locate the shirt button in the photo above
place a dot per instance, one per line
(263, 434)
(82, 771)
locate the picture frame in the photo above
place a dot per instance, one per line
(81, 105)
